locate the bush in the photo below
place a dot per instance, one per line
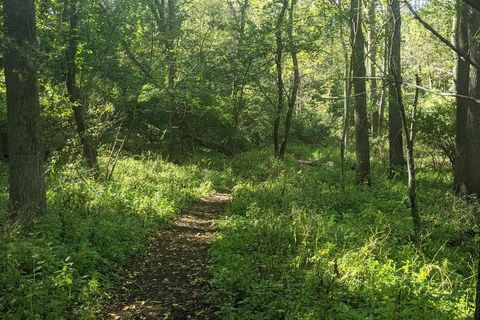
(293, 245)
(436, 125)
(310, 129)
(62, 267)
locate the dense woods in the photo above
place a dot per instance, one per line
(345, 136)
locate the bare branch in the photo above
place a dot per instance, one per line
(466, 58)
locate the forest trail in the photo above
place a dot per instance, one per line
(172, 280)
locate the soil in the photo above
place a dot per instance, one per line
(172, 280)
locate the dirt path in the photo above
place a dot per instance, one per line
(172, 280)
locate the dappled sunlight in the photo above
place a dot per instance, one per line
(324, 253)
(172, 280)
(240, 160)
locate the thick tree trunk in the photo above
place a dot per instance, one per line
(395, 81)
(472, 176)
(462, 76)
(280, 83)
(472, 180)
(467, 83)
(360, 91)
(477, 300)
(74, 93)
(26, 181)
(292, 101)
(473, 4)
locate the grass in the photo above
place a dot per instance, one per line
(293, 245)
(65, 263)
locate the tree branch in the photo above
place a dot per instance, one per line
(473, 4)
(439, 36)
(145, 70)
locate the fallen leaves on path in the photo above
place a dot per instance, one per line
(172, 280)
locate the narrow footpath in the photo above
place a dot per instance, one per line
(172, 280)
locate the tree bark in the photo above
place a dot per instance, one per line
(280, 82)
(383, 98)
(395, 81)
(346, 113)
(347, 88)
(362, 145)
(410, 139)
(73, 90)
(467, 82)
(238, 84)
(472, 175)
(477, 300)
(372, 66)
(26, 181)
(292, 100)
(170, 43)
(473, 4)
(176, 127)
(462, 78)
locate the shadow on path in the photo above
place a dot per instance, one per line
(172, 280)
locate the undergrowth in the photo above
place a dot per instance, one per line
(62, 265)
(293, 245)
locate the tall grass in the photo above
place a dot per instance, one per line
(293, 245)
(62, 265)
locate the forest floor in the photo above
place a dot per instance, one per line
(172, 280)
(288, 243)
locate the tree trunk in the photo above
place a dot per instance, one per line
(360, 91)
(74, 93)
(381, 114)
(372, 66)
(383, 98)
(472, 180)
(395, 81)
(170, 43)
(347, 88)
(26, 180)
(477, 300)
(280, 83)
(410, 139)
(467, 83)
(171, 35)
(472, 176)
(346, 115)
(462, 78)
(292, 101)
(238, 86)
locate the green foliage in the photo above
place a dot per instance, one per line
(309, 128)
(420, 46)
(436, 125)
(61, 267)
(293, 245)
